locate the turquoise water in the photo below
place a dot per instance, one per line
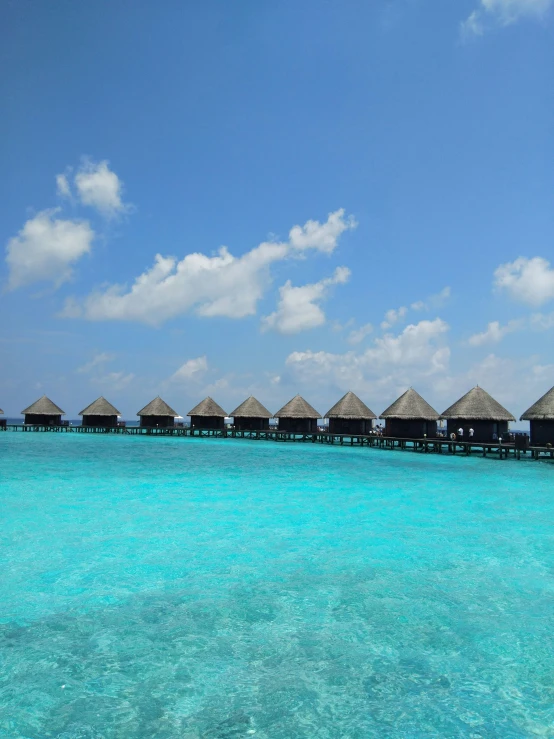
(220, 589)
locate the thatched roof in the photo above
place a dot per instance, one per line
(297, 408)
(542, 410)
(100, 407)
(1, 412)
(44, 407)
(208, 408)
(350, 406)
(411, 407)
(251, 408)
(158, 407)
(478, 405)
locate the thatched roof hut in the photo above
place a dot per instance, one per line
(410, 417)
(157, 413)
(350, 416)
(410, 406)
(100, 413)
(100, 407)
(541, 419)
(297, 408)
(1, 412)
(207, 415)
(298, 416)
(479, 412)
(43, 412)
(542, 410)
(251, 415)
(478, 405)
(251, 408)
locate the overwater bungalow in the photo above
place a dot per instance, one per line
(479, 411)
(43, 413)
(207, 415)
(2, 420)
(541, 419)
(298, 416)
(157, 414)
(410, 417)
(350, 416)
(100, 413)
(251, 416)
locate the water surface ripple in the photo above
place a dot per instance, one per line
(220, 589)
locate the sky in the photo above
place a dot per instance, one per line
(225, 199)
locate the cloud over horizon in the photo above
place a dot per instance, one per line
(298, 308)
(220, 285)
(390, 363)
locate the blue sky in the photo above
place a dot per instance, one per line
(271, 198)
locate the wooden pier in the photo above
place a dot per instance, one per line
(422, 446)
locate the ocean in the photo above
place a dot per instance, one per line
(217, 588)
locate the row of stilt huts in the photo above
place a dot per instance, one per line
(409, 417)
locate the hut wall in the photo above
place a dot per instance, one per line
(542, 432)
(105, 421)
(163, 422)
(207, 422)
(42, 419)
(350, 426)
(252, 424)
(298, 425)
(483, 430)
(401, 428)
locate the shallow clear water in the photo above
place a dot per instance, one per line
(191, 588)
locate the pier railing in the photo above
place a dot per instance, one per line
(494, 449)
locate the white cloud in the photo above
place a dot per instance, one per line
(337, 326)
(495, 332)
(222, 383)
(46, 248)
(193, 369)
(98, 187)
(415, 346)
(358, 335)
(62, 186)
(221, 285)
(438, 300)
(298, 308)
(390, 364)
(542, 321)
(98, 376)
(530, 281)
(473, 25)
(96, 361)
(433, 301)
(113, 380)
(321, 236)
(392, 316)
(543, 372)
(491, 13)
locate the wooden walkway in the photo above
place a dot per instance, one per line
(423, 446)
